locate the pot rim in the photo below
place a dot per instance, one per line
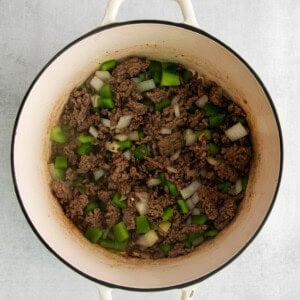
(115, 25)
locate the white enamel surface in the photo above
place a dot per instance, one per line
(72, 67)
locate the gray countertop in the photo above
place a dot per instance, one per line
(265, 33)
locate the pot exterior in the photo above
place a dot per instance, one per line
(42, 106)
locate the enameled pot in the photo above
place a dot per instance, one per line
(40, 109)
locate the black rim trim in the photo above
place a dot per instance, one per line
(99, 29)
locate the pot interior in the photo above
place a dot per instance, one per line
(42, 108)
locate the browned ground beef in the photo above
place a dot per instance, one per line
(169, 159)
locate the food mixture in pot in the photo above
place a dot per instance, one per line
(150, 158)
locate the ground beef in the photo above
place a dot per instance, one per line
(169, 162)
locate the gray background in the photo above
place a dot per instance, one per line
(266, 33)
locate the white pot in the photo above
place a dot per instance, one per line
(41, 108)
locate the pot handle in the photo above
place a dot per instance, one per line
(104, 292)
(186, 7)
(188, 292)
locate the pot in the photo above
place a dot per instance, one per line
(40, 109)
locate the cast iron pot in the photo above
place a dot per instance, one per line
(40, 109)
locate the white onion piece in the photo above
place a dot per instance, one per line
(103, 75)
(148, 239)
(175, 100)
(98, 174)
(105, 122)
(143, 196)
(175, 155)
(166, 130)
(212, 161)
(164, 226)
(190, 204)
(196, 211)
(142, 205)
(153, 182)
(171, 169)
(195, 198)
(96, 83)
(124, 122)
(135, 80)
(146, 85)
(127, 155)
(176, 110)
(190, 189)
(189, 221)
(121, 137)
(203, 172)
(112, 146)
(202, 101)
(94, 100)
(238, 186)
(236, 132)
(93, 131)
(133, 136)
(190, 137)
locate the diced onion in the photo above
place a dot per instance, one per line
(142, 205)
(148, 239)
(96, 83)
(212, 161)
(127, 155)
(166, 130)
(189, 221)
(175, 155)
(121, 137)
(164, 226)
(176, 110)
(98, 174)
(190, 204)
(171, 169)
(190, 137)
(146, 85)
(203, 172)
(175, 100)
(133, 136)
(103, 75)
(135, 79)
(196, 211)
(238, 187)
(93, 131)
(202, 101)
(105, 122)
(124, 121)
(112, 146)
(236, 132)
(190, 189)
(195, 198)
(153, 182)
(94, 100)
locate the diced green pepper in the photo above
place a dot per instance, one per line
(213, 149)
(116, 201)
(93, 234)
(147, 102)
(155, 71)
(123, 145)
(187, 244)
(105, 91)
(61, 162)
(169, 78)
(207, 133)
(211, 110)
(199, 219)
(106, 103)
(211, 233)
(142, 224)
(86, 138)
(162, 178)
(141, 151)
(108, 156)
(169, 66)
(108, 65)
(216, 121)
(142, 77)
(167, 214)
(105, 233)
(165, 248)
(141, 134)
(223, 187)
(114, 245)
(160, 106)
(244, 180)
(182, 206)
(84, 149)
(193, 108)
(57, 135)
(120, 232)
(187, 75)
(91, 206)
(172, 188)
(56, 173)
(196, 238)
